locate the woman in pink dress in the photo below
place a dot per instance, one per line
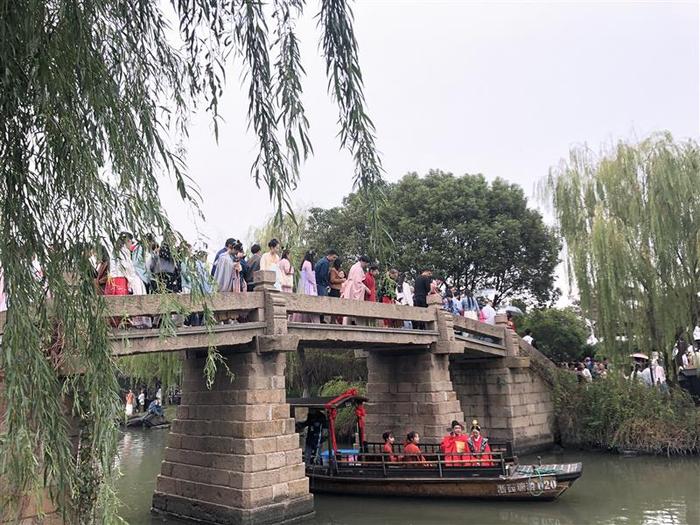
(307, 286)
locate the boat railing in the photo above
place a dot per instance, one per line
(445, 465)
(504, 448)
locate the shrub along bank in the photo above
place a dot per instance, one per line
(614, 413)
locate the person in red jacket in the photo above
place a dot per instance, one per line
(455, 443)
(388, 447)
(479, 447)
(411, 450)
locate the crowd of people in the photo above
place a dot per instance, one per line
(588, 369)
(141, 403)
(687, 355)
(648, 370)
(457, 448)
(151, 267)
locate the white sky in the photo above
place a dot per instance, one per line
(500, 88)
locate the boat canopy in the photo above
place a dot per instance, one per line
(331, 406)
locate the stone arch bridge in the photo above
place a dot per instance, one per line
(232, 455)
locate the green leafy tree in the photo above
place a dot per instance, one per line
(560, 334)
(472, 233)
(91, 95)
(630, 221)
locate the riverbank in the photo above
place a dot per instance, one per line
(614, 414)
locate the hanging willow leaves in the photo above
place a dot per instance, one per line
(632, 231)
(91, 96)
(356, 128)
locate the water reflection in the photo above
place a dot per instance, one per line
(612, 491)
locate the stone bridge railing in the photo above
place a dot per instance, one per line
(249, 320)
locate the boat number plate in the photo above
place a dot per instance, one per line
(532, 485)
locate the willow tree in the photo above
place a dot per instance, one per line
(632, 229)
(91, 96)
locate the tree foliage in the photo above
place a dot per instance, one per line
(473, 233)
(630, 220)
(91, 96)
(560, 333)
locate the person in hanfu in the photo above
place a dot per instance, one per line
(455, 443)
(286, 272)
(411, 450)
(404, 295)
(307, 286)
(355, 288)
(479, 447)
(470, 306)
(139, 256)
(270, 261)
(123, 279)
(228, 272)
(370, 282)
(386, 293)
(230, 243)
(388, 447)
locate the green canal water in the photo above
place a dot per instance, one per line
(612, 491)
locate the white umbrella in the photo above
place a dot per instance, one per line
(514, 310)
(639, 355)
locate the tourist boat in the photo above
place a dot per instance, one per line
(366, 471)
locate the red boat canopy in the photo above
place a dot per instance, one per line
(331, 405)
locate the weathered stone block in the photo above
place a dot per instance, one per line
(280, 491)
(298, 487)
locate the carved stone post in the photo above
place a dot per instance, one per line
(510, 338)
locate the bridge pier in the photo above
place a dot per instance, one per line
(410, 391)
(232, 456)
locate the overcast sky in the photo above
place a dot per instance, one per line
(499, 88)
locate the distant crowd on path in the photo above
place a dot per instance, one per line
(687, 355)
(647, 370)
(587, 370)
